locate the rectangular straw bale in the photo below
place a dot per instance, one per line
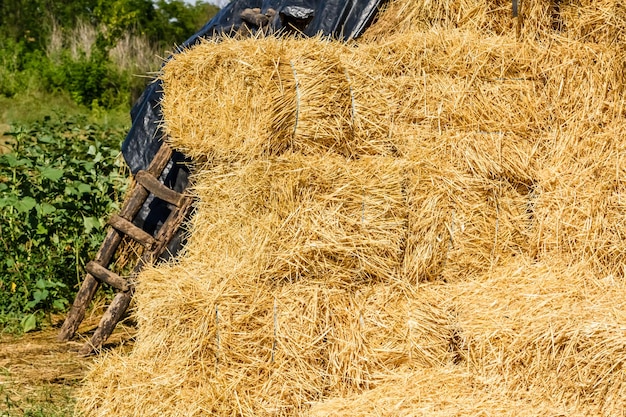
(462, 221)
(455, 52)
(579, 207)
(451, 79)
(381, 328)
(309, 218)
(440, 102)
(443, 391)
(550, 327)
(585, 20)
(250, 98)
(217, 95)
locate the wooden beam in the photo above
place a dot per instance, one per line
(150, 183)
(107, 276)
(109, 320)
(129, 229)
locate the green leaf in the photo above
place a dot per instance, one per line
(84, 188)
(46, 139)
(60, 304)
(14, 162)
(10, 159)
(91, 223)
(40, 295)
(8, 201)
(69, 190)
(41, 229)
(53, 174)
(29, 323)
(46, 208)
(26, 204)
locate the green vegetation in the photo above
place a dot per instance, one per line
(97, 51)
(46, 401)
(61, 178)
(60, 170)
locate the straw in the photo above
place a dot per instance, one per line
(427, 222)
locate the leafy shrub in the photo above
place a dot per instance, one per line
(94, 81)
(90, 80)
(56, 187)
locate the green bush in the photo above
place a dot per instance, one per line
(57, 185)
(94, 81)
(90, 81)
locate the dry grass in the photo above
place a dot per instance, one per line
(425, 224)
(40, 376)
(132, 53)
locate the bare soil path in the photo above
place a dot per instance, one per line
(39, 376)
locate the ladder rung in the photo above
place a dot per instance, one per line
(153, 185)
(107, 276)
(128, 228)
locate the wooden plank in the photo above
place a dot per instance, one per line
(128, 228)
(109, 320)
(159, 190)
(77, 313)
(106, 276)
(138, 195)
(160, 160)
(172, 224)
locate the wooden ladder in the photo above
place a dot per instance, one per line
(121, 225)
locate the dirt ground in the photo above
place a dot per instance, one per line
(39, 375)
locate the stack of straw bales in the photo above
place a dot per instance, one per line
(426, 224)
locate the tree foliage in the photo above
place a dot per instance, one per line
(164, 22)
(27, 29)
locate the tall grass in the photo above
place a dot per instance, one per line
(132, 53)
(73, 63)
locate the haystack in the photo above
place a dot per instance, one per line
(425, 224)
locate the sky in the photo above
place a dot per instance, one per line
(220, 3)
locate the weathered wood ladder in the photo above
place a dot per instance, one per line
(121, 224)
